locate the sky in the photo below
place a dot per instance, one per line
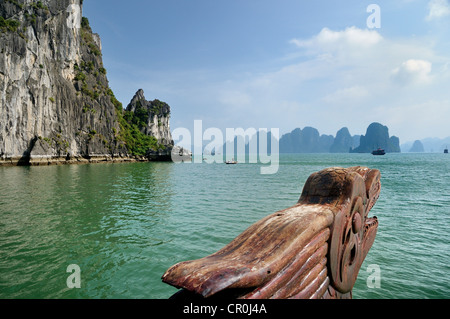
(283, 64)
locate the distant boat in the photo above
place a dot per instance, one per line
(446, 151)
(232, 162)
(379, 151)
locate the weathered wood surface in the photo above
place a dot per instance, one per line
(312, 250)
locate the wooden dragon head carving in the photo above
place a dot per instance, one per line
(311, 250)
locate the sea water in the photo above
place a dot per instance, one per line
(124, 225)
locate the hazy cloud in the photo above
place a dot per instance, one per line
(413, 71)
(438, 9)
(347, 94)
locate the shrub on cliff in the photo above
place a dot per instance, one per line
(137, 143)
(8, 25)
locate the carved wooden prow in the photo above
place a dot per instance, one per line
(311, 250)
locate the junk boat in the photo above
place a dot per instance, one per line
(379, 151)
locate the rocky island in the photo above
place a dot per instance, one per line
(417, 147)
(343, 142)
(56, 105)
(377, 136)
(309, 140)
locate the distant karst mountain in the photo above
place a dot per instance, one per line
(430, 145)
(417, 147)
(343, 142)
(377, 136)
(307, 140)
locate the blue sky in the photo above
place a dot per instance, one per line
(283, 64)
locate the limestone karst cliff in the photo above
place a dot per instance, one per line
(152, 117)
(377, 136)
(55, 101)
(417, 147)
(307, 140)
(343, 142)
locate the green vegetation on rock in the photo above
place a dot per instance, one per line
(10, 25)
(90, 81)
(137, 143)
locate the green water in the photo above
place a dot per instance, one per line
(125, 224)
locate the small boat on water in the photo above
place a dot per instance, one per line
(232, 162)
(379, 151)
(446, 151)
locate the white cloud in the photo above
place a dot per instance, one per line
(438, 9)
(413, 71)
(334, 40)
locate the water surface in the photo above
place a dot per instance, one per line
(126, 224)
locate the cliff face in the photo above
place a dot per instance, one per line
(54, 91)
(307, 140)
(343, 142)
(153, 117)
(55, 100)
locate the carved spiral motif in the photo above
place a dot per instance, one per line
(346, 255)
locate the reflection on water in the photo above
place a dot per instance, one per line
(101, 217)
